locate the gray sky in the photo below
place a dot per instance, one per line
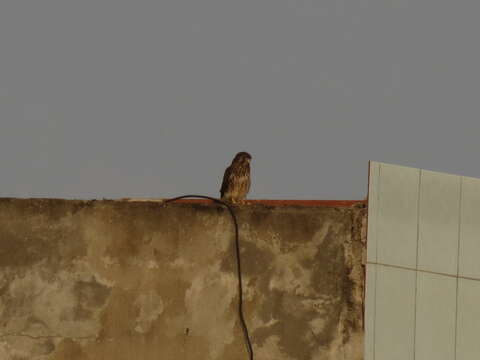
(153, 98)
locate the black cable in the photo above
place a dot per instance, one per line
(239, 267)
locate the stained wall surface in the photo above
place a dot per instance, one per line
(423, 273)
(90, 280)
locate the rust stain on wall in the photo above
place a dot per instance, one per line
(142, 280)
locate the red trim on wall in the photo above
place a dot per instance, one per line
(324, 203)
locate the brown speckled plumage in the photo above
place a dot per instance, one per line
(236, 180)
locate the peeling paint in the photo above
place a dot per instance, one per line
(150, 306)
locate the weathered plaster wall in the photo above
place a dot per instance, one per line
(88, 280)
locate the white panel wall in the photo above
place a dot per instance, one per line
(468, 320)
(423, 269)
(370, 306)
(397, 216)
(435, 317)
(373, 187)
(438, 222)
(470, 229)
(394, 336)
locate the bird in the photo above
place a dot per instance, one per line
(236, 179)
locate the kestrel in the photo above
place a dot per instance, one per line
(236, 180)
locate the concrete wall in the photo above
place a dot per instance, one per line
(90, 280)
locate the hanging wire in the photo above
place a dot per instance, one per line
(239, 266)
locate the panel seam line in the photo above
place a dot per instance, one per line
(376, 259)
(416, 266)
(458, 264)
